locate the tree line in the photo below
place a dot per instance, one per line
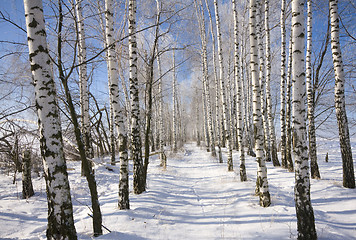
(146, 49)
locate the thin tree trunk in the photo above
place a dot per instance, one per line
(217, 92)
(262, 183)
(174, 100)
(160, 115)
(238, 80)
(272, 133)
(266, 137)
(119, 119)
(228, 133)
(86, 164)
(149, 97)
(304, 209)
(288, 109)
(201, 18)
(138, 172)
(60, 210)
(282, 87)
(83, 80)
(27, 187)
(314, 169)
(345, 146)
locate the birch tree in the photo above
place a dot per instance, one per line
(238, 80)
(204, 57)
(262, 183)
(118, 115)
(216, 80)
(272, 133)
(340, 109)
(260, 28)
(304, 209)
(149, 89)
(282, 86)
(60, 210)
(311, 99)
(289, 109)
(27, 187)
(138, 173)
(174, 106)
(86, 164)
(228, 133)
(83, 79)
(160, 115)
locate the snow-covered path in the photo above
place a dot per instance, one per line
(195, 198)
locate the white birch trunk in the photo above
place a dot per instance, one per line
(288, 109)
(201, 17)
(270, 117)
(83, 80)
(138, 172)
(282, 86)
(117, 109)
(60, 210)
(340, 109)
(160, 115)
(238, 80)
(304, 209)
(262, 183)
(314, 169)
(217, 92)
(260, 28)
(174, 101)
(228, 133)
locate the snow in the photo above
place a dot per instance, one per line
(195, 198)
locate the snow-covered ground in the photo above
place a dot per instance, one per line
(195, 198)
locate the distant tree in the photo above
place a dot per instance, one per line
(27, 188)
(60, 210)
(174, 106)
(206, 85)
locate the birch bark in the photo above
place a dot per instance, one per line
(272, 133)
(216, 80)
(174, 101)
(340, 109)
(283, 82)
(136, 144)
(201, 18)
(304, 209)
(83, 80)
(60, 210)
(160, 114)
(288, 109)
(311, 99)
(266, 137)
(222, 91)
(238, 80)
(118, 113)
(262, 183)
